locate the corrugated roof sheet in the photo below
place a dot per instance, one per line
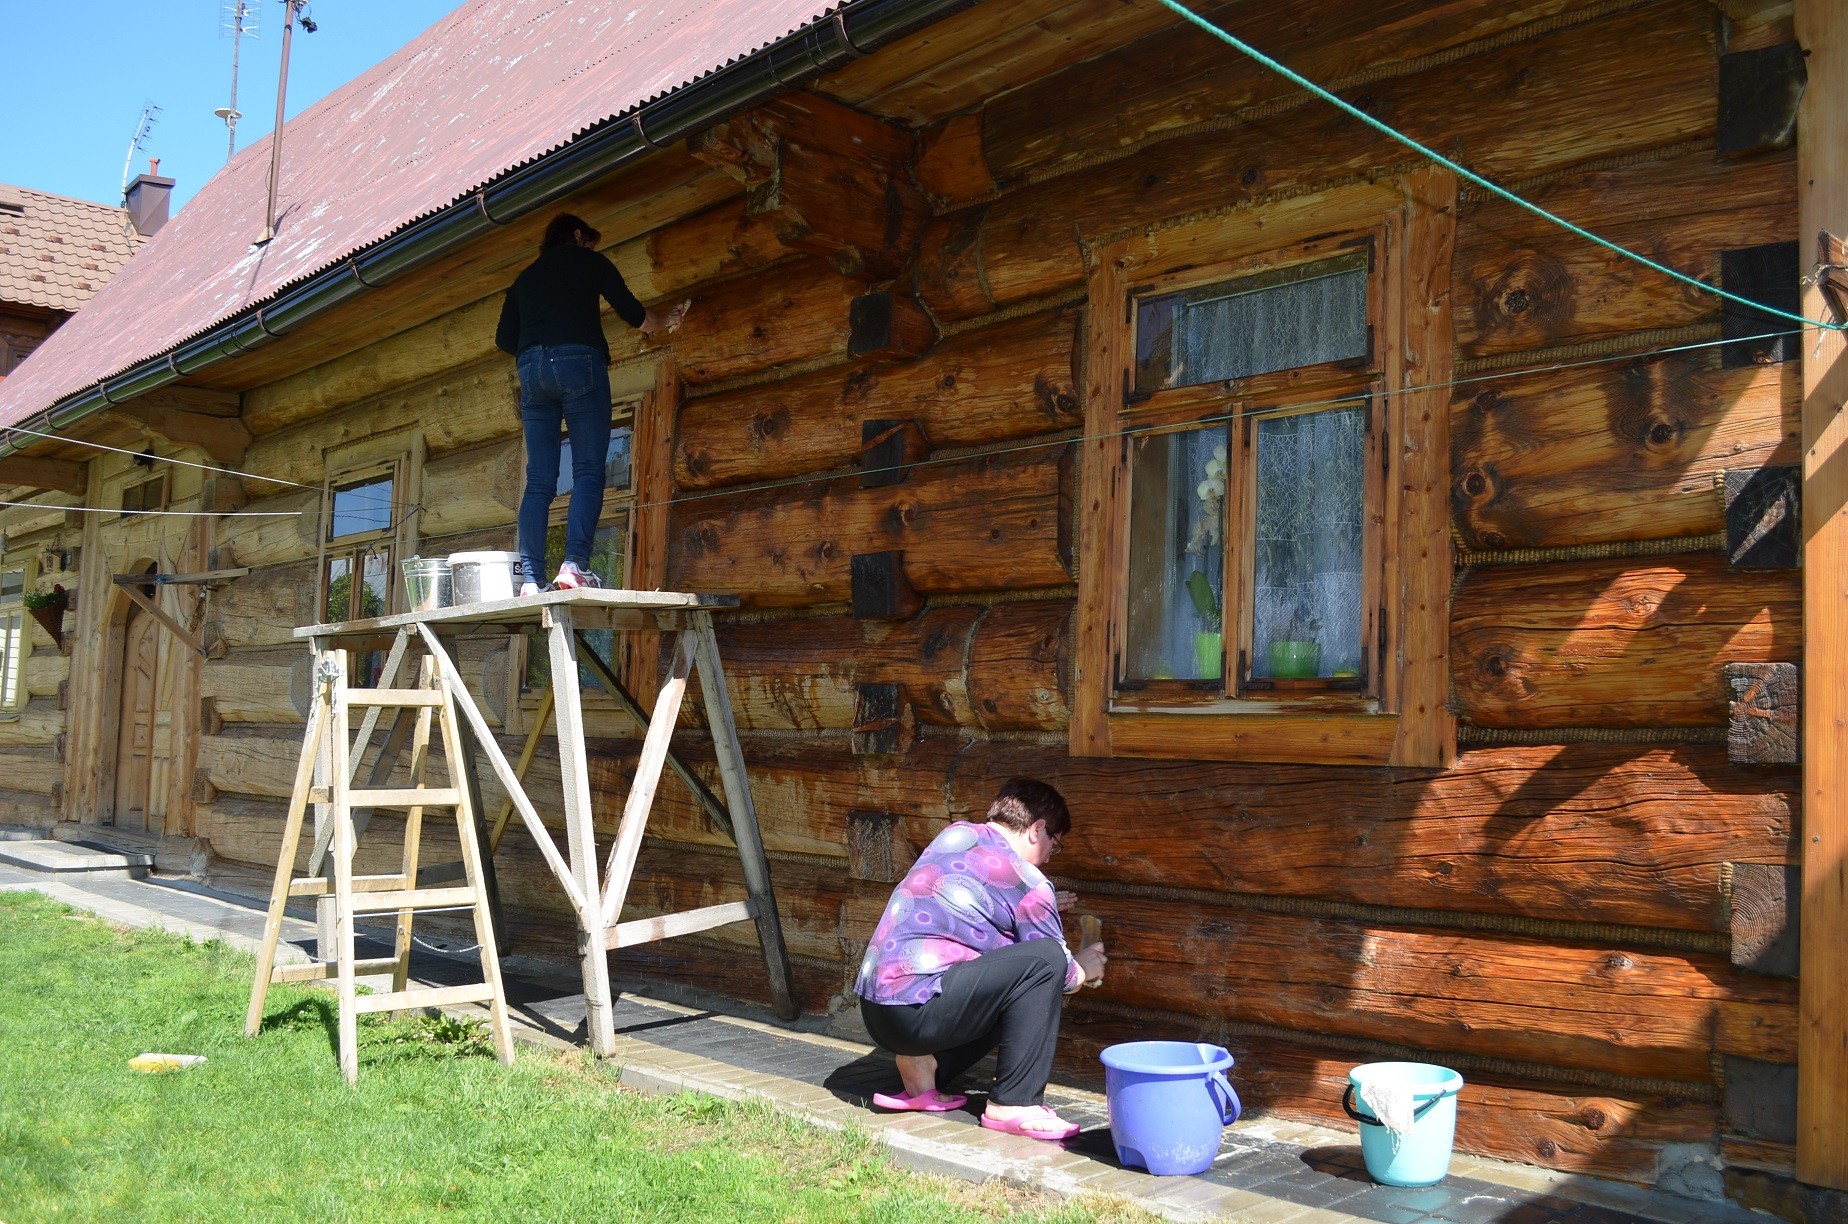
(492, 86)
(55, 251)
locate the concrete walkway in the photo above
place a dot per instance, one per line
(1268, 1171)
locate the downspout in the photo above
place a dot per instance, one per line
(856, 29)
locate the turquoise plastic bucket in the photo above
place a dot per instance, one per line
(1169, 1102)
(1420, 1156)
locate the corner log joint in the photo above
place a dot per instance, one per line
(828, 179)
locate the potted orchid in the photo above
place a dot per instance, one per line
(1209, 640)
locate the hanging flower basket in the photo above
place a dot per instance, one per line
(47, 608)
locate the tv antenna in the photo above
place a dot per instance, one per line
(149, 117)
(237, 19)
(292, 12)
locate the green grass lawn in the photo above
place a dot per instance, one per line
(266, 1129)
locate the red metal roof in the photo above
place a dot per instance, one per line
(492, 86)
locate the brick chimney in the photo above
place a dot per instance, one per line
(147, 198)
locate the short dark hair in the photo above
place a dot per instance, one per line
(1021, 801)
(566, 227)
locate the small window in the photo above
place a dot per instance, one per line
(368, 516)
(15, 639)
(1264, 572)
(610, 547)
(145, 496)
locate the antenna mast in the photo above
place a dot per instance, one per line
(238, 20)
(149, 113)
(292, 11)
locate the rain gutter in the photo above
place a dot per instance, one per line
(856, 29)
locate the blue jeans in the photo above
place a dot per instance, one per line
(564, 385)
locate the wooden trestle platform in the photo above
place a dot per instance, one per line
(330, 765)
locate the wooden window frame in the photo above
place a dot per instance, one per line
(13, 663)
(1400, 716)
(401, 457)
(166, 493)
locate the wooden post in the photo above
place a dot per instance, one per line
(1822, 204)
(580, 833)
(342, 816)
(730, 753)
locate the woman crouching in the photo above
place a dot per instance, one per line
(970, 954)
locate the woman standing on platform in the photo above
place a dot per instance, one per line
(969, 954)
(551, 324)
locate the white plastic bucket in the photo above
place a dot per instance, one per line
(483, 577)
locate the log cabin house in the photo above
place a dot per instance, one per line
(1404, 591)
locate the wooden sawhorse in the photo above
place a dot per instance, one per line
(597, 894)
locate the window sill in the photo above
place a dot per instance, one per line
(1268, 737)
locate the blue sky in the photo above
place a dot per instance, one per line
(77, 72)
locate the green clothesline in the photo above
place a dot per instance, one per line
(1471, 176)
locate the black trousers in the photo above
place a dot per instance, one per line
(1011, 997)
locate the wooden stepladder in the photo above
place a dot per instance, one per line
(324, 776)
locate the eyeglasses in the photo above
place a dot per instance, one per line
(1058, 843)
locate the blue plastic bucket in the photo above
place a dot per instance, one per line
(1169, 1101)
(1421, 1155)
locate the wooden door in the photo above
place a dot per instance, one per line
(135, 738)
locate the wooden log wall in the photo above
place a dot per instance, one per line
(1552, 914)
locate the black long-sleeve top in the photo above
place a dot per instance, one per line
(554, 301)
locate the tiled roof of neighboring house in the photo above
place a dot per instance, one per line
(55, 251)
(492, 86)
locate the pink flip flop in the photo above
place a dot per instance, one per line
(1041, 1124)
(924, 1102)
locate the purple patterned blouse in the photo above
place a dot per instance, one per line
(967, 894)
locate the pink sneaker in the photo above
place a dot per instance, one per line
(528, 590)
(574, 577)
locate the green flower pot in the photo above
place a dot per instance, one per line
(1209, 656)
(1292, 660)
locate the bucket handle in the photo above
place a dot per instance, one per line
(1347, 1103)
(1229, 1107)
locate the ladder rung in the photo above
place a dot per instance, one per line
(395, 697)
(321, 886)
(438, 996)
(413, 898)
(666, 926)
(315, 971)
(405, 797)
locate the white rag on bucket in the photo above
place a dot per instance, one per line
(1392, 1103)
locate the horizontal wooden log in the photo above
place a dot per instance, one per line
(60, 475)
(475, 489)
(999, 667)
(264, 607)
(1607, 1008)
(249, 831)
(1652, 66)
(1520, 283)
(1599, 833)
(1614, 643)
(25, 809)
(33, 769)
(256, 685)
(287, 531)
(985, 524)
(38, 725)
(720, 242)
(1177, 77)
(1581, 1131)
(1013, 380)
(1626, 451)
(756, 323)
(958, 62)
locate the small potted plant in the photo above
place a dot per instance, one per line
(1209, 643)
(1296, 654)
(47, 608)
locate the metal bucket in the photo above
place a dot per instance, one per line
(483, 577)
(427, 583)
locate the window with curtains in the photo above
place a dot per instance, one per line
(15, 638)
(1270, 485)
(368, 513)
